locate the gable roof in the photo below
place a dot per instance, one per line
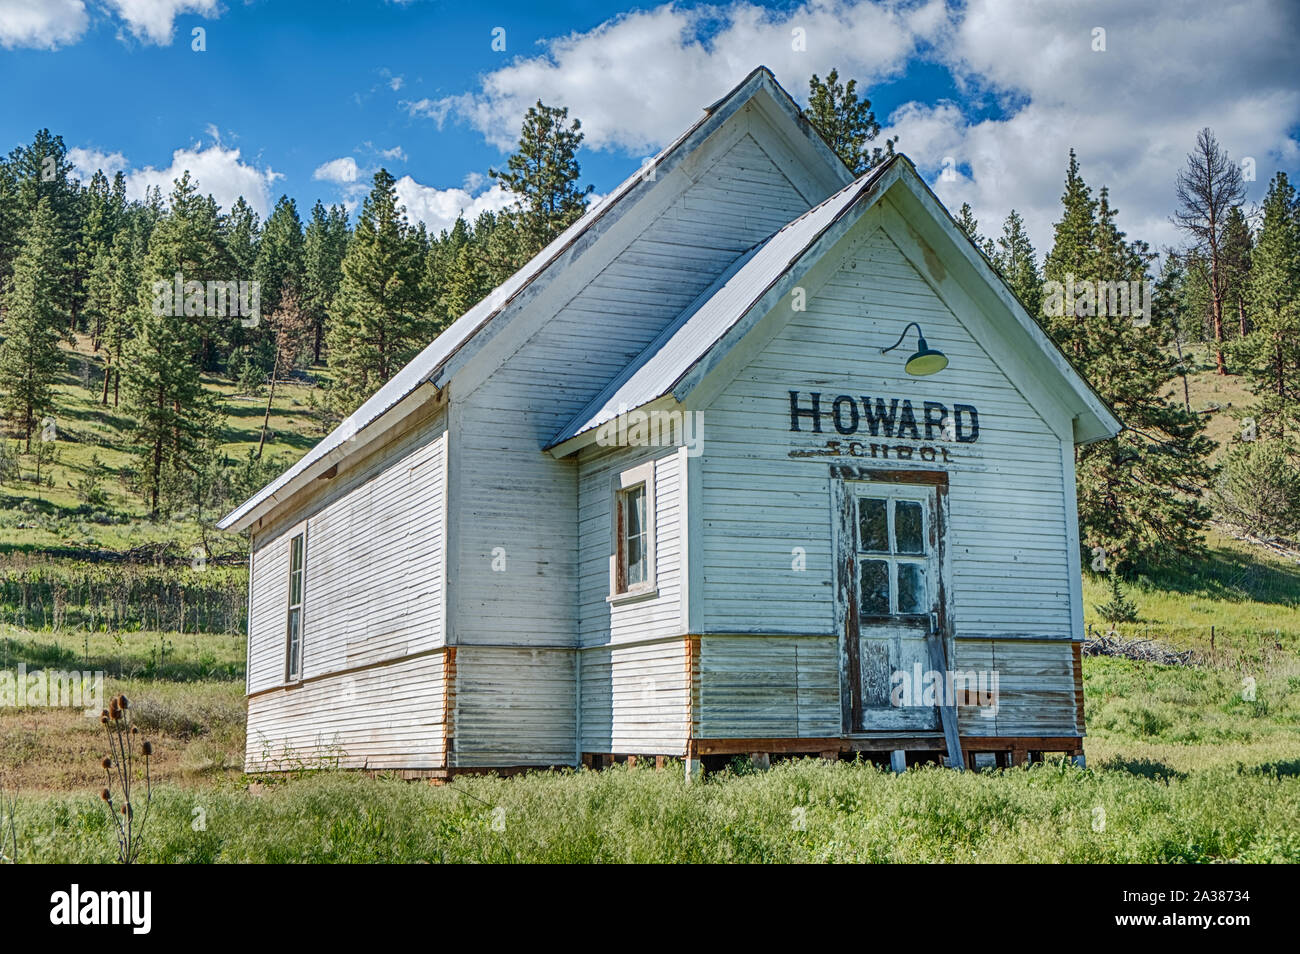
(697, 340)
(433, 364)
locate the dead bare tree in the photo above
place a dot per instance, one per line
(292, 326)
(1208, 187)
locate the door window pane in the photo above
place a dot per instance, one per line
(893, 547)
(874, 587)
(873, 525)
(911, 588)
(909, 535)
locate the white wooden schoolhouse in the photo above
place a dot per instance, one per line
(670, 492)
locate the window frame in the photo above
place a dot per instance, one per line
(642, 475)
(893, 495)
(292, 676)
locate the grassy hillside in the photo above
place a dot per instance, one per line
(53, 517)
(1249, 597)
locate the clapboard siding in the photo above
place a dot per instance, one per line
(457, 611)
(768, 687)
(385, 717)
(520, 580)
(1008, 532)
(374, 566)
(635, 699)
(268, 608)
(514, 707)
(640, 619)
(1035, 687)
(529, 507)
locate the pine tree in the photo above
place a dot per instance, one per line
(1270, 354)
(42, 171)
(1139, 494)
(1208, 188)
(279, 253)
(499, 245)
(467, 282)
(1015, 261)
(1174, 285)
(99, 295)
(1071, 257)
(378, 319)
(1237, 242)
(325, 243)
(239, 233)
(10, 222)
(846, 122)
(543, 173)
(101, 218)
(120, 315)
(175, 417)
(967, 222)
(29, 354)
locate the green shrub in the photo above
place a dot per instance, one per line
(1259, 489)
(1119, 609)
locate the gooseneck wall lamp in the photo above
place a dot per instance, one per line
(926, 360)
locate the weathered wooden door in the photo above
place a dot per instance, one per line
(889, 588)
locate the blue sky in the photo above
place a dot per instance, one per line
(309, 98)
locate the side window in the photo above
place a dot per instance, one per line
(893, 557)
(632, 564)
(293, 631)
(631, 504)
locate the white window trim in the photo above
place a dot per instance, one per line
(648, 588)
(294, 680)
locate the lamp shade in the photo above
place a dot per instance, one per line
(926, 360)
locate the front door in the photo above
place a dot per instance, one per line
(889, 535)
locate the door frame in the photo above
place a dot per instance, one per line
(843, 548)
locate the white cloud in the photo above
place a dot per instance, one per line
(339, 171)
(215, 170)
(86, 162)
(638, 80)
(1029, 87)
(154, 20)
(1131, 112)
(436, 109)
(42, 24)
(438, 209)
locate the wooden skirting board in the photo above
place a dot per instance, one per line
(1019, 746)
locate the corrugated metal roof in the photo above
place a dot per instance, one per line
(663, 363)
(426, 365)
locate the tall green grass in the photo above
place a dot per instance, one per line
(798, 812)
